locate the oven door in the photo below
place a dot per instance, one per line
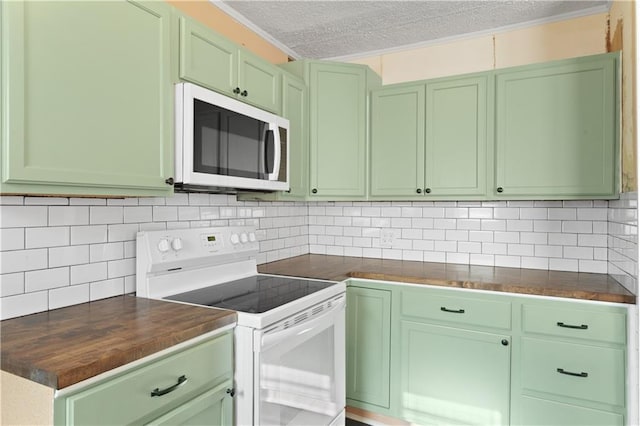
(301, 369)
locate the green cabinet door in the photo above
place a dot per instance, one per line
(368, 347)
(397, 142)
(207, 58)
(456, 137)
(453, 376)
(214, 408)
(337, 110)
(259, 82)
(86, 98)
(295, 109)
(556, 129)
(213, 61)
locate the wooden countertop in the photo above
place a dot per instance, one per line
(65, 346)
(600, 287)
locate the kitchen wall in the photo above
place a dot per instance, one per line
(55, 252)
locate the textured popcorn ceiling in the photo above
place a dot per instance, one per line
(328, 29)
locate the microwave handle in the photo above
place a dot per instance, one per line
(273, 137)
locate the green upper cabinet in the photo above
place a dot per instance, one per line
(210, 60)
(429, 141)
(295, 109)
(338, 98)
(556, 130)
(397, 142)
(86, 98)
(456, 137)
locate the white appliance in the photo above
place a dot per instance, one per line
(224, 143)
(290, 334)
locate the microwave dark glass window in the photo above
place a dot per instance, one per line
(228, 143)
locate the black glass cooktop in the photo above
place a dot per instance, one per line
(256, 294)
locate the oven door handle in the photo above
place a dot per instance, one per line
(307, 328)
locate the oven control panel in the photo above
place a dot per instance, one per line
(184, 244)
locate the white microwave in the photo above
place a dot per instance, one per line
(223, 144)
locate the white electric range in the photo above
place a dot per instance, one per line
(290, 334)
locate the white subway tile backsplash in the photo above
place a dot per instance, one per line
(533, 213)
(72, 215)
(507, 261)
(11, 284)
(105, 252)
(90, 234)
(23, 260)
(23, 304)
(578, 227)
(482, 259)
(106, 215)
(8, 200)
(11, 239)
(578, 253)
(46, 201)
(46, 279)
(107, 288)
(98, 250)
(47, 237)
(71, 255)
(23, 216)
(570, 265)
(594, 266)
(121, 268)
(88, 272)
(67, 296)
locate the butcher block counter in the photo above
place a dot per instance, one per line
(64, 346)
(574, 285)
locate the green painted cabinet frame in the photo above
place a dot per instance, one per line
(338, 115)
(429, 140)
(368, 346)
(557, 131)
(124, 397)
(213, 61)
(86, 98)
(498, 345)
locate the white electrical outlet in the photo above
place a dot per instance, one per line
(387, 238)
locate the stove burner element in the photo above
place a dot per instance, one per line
(255, 294)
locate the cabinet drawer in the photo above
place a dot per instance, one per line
(127, 399)
(541, 412)
(460, 310)
(608, 327)
(590, 373)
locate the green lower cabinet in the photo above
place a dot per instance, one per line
(542, 412)
(87, 98)
(368, 347)
(213, 408)
(436, 356)
(186, 387)
(453, 376)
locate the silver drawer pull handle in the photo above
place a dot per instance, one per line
(453, 311)
(577, 327)
(569, 373)
(181, 381)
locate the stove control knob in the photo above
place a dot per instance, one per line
(252, 237)
(163, 245)
(176, 244)
(244, 238)
(235, 239)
